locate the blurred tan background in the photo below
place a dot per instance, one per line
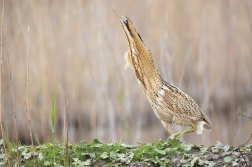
(202, 47)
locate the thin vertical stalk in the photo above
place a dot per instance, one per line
(27, 94)
(53, 115)
(14, 110)
(1, 77)
(66, 128)
(1, 62)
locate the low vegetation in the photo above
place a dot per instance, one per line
(162, 153)
(214, 87)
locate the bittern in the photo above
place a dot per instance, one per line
(170, 104)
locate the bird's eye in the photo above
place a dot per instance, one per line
(124, 19)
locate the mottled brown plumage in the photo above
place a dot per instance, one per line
(170, 104)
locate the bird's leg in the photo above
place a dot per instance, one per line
(180, 134)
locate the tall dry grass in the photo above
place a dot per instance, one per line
(204, 47)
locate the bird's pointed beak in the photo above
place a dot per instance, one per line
(122, 18)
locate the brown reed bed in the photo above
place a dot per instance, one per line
(202, 47)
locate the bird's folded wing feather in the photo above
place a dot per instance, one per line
(180, 104)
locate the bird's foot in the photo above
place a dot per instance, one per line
(180, 135)
(175, 136)
(171, 137)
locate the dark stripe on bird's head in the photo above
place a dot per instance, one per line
(125, 21)
(140, 37)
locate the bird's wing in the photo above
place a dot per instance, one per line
(179, 104)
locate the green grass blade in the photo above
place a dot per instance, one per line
(36, 136)
(53, 112)
(53, 115)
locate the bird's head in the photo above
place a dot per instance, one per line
(130, 31)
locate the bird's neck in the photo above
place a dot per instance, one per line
(147, 74)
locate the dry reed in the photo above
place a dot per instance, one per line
(202, 47)
(27, 108)
(1, 62)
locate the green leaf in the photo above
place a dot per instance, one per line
(228, 159)
(206, 163)
(218, 144)
(120, 155)
(110, 144)
(27, 155)
(76, 159)
(92, 155)
(122, 159)
(40, 156)
(201, 162)
(47, 163)
(188, 147)
(83, 142)
(127, 146)
(104, 155)
(87, 162)
(42, 147)
(141, 143)
(95, 141)
(97, 145)
(112, 154)
(130, 156)
(203, 149)
(210, 163)
(235, 164)
(2, 156)
(215, 150)
(183, 161)
(194, 160)
(226, 148)
(162, 152)
(1, 142)
(128, 161)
